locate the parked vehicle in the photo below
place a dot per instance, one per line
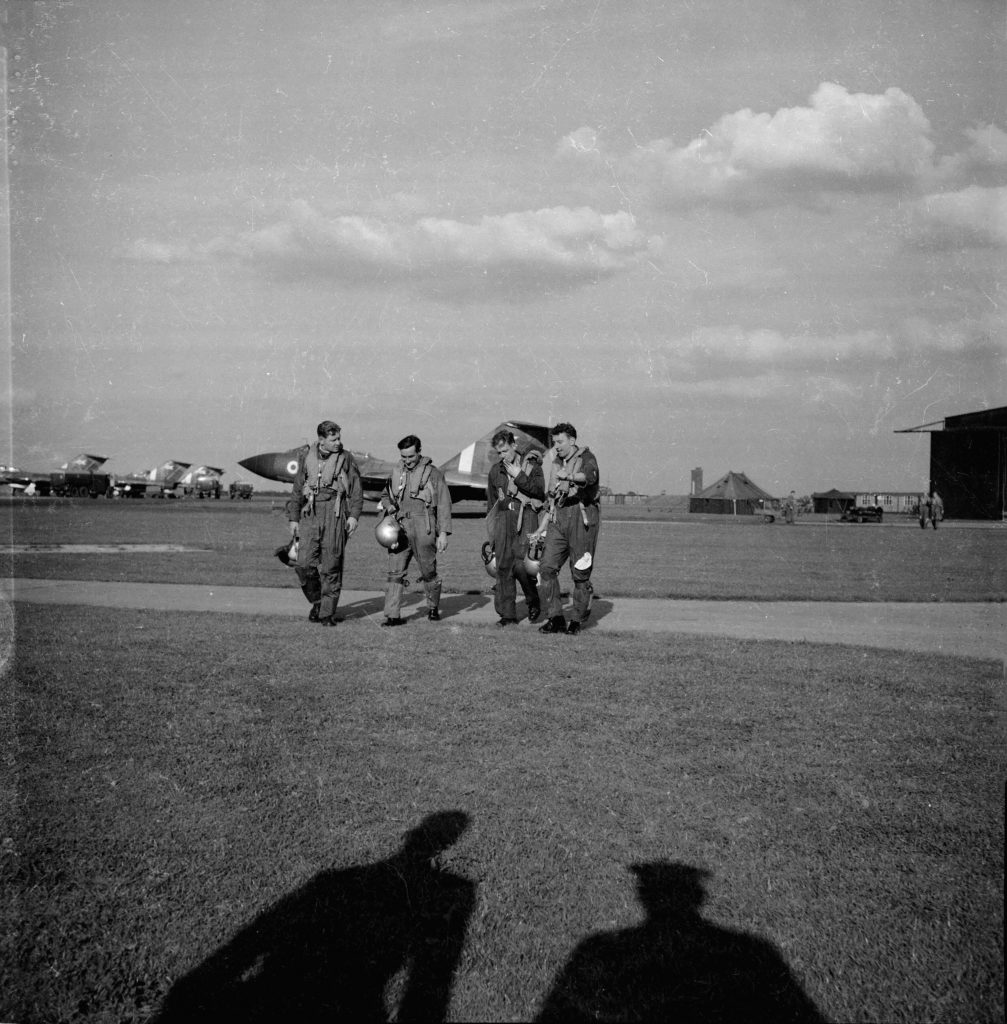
(863, 514)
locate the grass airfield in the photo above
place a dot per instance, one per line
(206, 809)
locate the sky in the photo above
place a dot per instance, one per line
(749, 235)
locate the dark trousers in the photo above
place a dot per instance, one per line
(510, 546)
(321, 546)
(569, 537)
(422, 546)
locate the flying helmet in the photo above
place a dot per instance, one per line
(389, 534)
(533, 559)
(287, 553)
(489, 559)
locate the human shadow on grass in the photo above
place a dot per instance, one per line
(331, 950)
(676, 966)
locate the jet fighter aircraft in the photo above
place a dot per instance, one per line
(30, 482)
(159, 481)
(203, 481)
(465, 473)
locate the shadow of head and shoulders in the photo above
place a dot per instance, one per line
(676, 965)
(332, 947)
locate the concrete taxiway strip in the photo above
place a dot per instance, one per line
(974, 630)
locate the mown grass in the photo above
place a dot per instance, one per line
(715, 557)
(178, 775)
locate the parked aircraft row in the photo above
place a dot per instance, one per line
(83, 476)
(466, 473)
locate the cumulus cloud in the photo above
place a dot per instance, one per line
(729, 349)
(986, 152)
(734, 344)
(839, 142)
(842, 141)
(549, 247)
(970, 217)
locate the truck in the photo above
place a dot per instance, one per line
(239, 489)
(77, 484)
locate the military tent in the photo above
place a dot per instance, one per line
(733, 494)
(833, 501)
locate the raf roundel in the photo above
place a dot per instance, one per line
(292, 467)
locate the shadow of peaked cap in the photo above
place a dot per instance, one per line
(670, 885)
(436, 832)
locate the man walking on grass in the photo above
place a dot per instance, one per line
(324, 508)
(571, 530)
(515, 491)
(418, 497)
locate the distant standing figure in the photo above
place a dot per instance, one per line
(324, 507)
(417, 496)
(924, 510)
(936, 509)
(571, 529)
(515, 492)
(790, 509)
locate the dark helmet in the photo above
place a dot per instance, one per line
(389, 534)
(287, 553)
(489, 559)
(533, 560)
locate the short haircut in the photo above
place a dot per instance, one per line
(564, 428)
(327, 427)
(503, 435)
(409, 441)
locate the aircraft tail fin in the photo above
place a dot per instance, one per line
(479, 456)
(169, 473)
(85, 463)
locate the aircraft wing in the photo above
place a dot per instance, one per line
(466, 473)
(21, 480)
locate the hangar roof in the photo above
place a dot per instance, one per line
(984, 419)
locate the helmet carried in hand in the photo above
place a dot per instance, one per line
(489, 559)
(389, 534)
(533, 560)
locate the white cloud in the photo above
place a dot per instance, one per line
(535, 248)
(970, 217)
(731, 343)
(841, 141)
(987, 152)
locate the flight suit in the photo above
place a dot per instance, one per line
(321, 531)
(572, 532)
(421, 522)
(511, 528)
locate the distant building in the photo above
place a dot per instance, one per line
(733, 494)
(968, 463)
(697, 482)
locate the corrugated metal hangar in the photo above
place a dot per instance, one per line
(968, 462)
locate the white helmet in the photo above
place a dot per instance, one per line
(389, 534)
(533, 559)
(489, 559)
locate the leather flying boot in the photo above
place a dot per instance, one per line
(313, 614)
(434, 615)
(573, 629)
(394, 622)
(557, 624)
(534, 611)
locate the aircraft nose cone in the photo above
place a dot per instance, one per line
(271, 465)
